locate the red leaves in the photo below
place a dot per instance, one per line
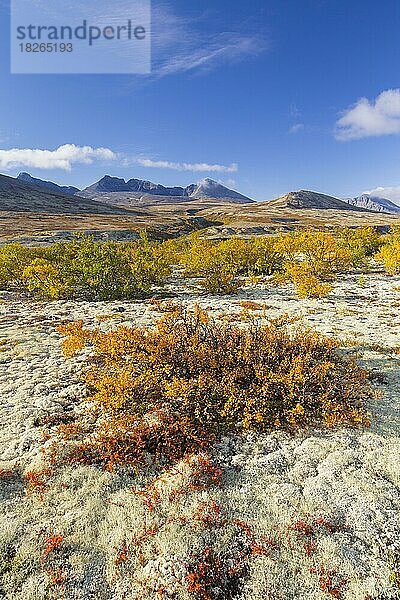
(330, 581)
(308, 527)
(122, 555)
(37, 481)
(309, 548)
(123, 440)
(303, 527)
(151, 497)
(52, 543)
(210, 571)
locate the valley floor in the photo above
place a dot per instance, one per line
(348, 478)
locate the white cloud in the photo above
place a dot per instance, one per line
(63, 157)
(182, 166)
(185, 45)
(224, 50)
(367, 119)
(296, 128)
(390, 193)
(68, 155)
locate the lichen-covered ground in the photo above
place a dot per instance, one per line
(106, 544)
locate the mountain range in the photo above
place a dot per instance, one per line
(17, 195)
(115, 195)
(203, 190)
(375, 203)
(313, 200)
(65, 189)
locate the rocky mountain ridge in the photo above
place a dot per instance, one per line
(70, 190)
(204, 189)
(17, 195)
(375, 203)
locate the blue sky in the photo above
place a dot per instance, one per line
(267, 96)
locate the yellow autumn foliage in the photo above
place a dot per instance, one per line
(389, 253)
(220, 378)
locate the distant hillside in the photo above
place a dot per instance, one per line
(137, 199)
(374, 203)
(20, 196)
(65, 189)
(138, 189)
(310, 200)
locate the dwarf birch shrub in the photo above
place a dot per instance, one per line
(150, 263)
(265, 257)
(220, 264)
(13, 259)
(312, 258)
(389, 253)
(85, 269)
(320, 251)
(306, 283)
(389, 256)
(210, 378)
(44, 279)
(362, 243)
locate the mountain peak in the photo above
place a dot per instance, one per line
(375, 203)
(208, 180)
(65, 189)
(208, 188)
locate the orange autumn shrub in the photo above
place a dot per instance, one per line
(192, 378)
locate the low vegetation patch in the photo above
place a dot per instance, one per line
(389, 253)
(314, 259)
(84, 269)
(309, 259)
(221, 264)
(171, 390)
